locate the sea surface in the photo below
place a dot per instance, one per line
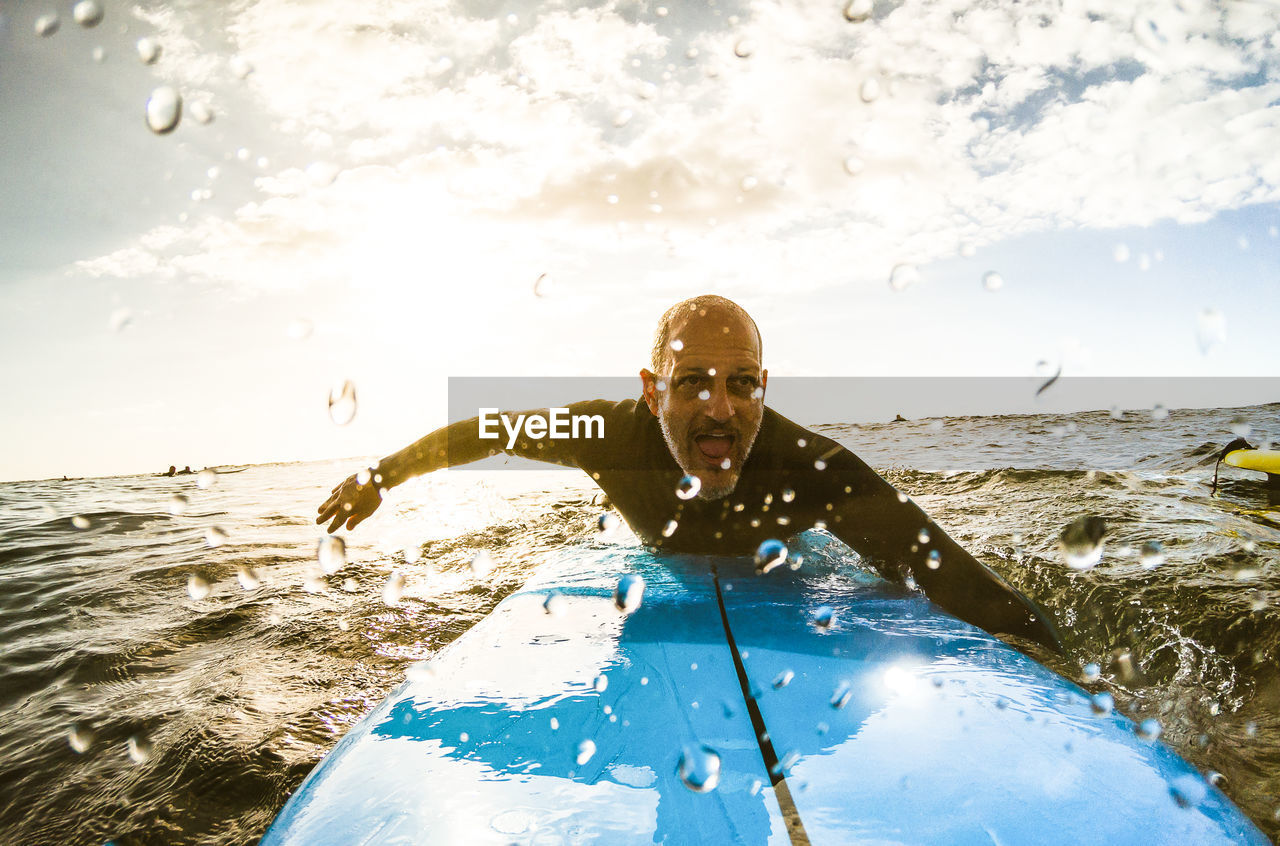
(173, 659)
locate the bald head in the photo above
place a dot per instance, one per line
(729, 318)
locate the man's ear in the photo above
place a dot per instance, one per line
(764, 382)
(650, 383)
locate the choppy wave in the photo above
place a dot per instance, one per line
(238, 693)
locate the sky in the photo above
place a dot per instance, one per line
(398, 192)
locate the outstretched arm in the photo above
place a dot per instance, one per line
(357, 497)
(891, 533)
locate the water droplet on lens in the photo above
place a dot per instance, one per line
(420, 671)
(1102, 703)
(87, 13)
(164, 110)
(1082, 542)
(670, 529)
(481, 564)
(299, 330)
(923, 536)
(240, 66)
(623, 118)
(139, 747)
(314, 583)
(934, 560)
(661, 11)
(248, 577)
(699, 768)
(744, 48)
(1159, 412)
(704, 395)
(992, 281)
(1148, 729)
(342, 403)
(600, 683)
(215, 536)
(857, 11)
(394, 588)
(148, 50)
(1211, 329)
(629, 593)
(869, 90)
(47, 25)
(178, 505)
(331, 552)
(1091, 673)
(206, 479)
(843, 693)
(350, 585)
(819, 464)
(1120, 253)
(903, 276)
(823, 617)
(748, 183)
(1240, 427)
(202, 113)
(607, 522)
(688, 487)
(81, 738)
(770, 554)
(197, 587)
(1187, 790)
(544, 285)
(586, 749)
(99, 55)
(1152, 555)
(783, 679)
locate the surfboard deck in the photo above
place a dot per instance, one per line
(892, 723)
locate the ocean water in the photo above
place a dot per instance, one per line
(173, 667)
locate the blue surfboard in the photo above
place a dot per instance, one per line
(819, 703)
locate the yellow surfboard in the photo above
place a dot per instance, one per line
(1262, 460)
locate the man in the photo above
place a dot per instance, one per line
(702, 466)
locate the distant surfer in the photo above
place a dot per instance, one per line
(898, 418)
(758, 475)
(173, 470)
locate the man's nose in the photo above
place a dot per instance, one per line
(719, 406)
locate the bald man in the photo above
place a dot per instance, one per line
(703, 454)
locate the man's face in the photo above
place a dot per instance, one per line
(710, 400)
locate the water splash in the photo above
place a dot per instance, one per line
(688, 487)
(148, 51)
(331, 552)
(393, 590)
(1081, 542)
(857, 11)
(342, 403)
(699, 768)
(47, 25)
(164, 110)
(770, 554)
(629, 593)
(87, 13)
(903, 276)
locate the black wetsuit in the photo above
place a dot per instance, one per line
(792, 480)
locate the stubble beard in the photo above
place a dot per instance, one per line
(706, 491)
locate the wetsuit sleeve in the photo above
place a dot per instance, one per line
(894, 535)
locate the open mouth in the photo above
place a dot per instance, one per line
(714, 446)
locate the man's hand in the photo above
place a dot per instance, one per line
(350, 501)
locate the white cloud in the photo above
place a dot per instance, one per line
(994, 119)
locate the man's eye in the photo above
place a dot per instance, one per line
(691, 382)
